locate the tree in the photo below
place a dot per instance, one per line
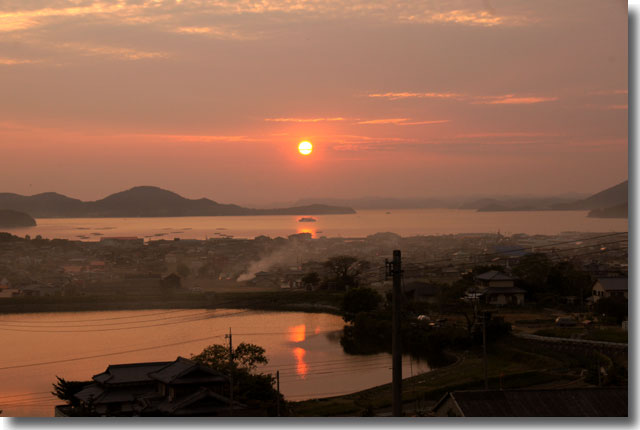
(533, 271)
(311, 279)
(345, 270)
(254, 390)
(613, 308)
(66, 390)
(183, 270)
(564, 279)
(358, 300)
(170, 282)
(246, 356)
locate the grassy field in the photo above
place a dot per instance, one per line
(605, 334)
(509, 366)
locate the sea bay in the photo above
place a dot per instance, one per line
(405, 222)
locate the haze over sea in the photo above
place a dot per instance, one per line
(405, 222)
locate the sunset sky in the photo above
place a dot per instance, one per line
(406, 98)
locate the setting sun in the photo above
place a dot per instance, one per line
(305, 148)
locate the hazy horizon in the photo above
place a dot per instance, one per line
(210, 99)
(293, 200)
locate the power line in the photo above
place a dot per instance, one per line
(20, 366)
(417, 266)
(107, 354)
(319, 362)
(476, 263)
(30, 400)
(319, 394)
(525, 248)
(338, 370)
(554, 250)
(24, 394)
(192, 319)
(447, 260)
(103, 319)
(100, 325)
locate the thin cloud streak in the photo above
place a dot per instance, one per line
(215, 32)
(407, 95)
(401, 121)
(511, 99)
(304, 119)
(508, 134)
(14, 62)
(384, 121)
(24, 19)
(112, 51)
(191, 138)
(149, 11)
(438, 121)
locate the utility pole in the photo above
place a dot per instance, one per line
(278, 388)
(228, 336)
(396, 271)
(484, 350)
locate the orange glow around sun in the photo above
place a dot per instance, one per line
(305, 147)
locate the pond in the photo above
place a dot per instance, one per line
(304, 347)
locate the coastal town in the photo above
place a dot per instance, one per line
(131, 266)
(525, 291)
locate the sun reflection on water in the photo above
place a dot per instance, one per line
(301, 367)
(297, 333)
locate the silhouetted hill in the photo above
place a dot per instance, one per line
(12, 219)
(42, 205)
(144, 201)
(614, 196)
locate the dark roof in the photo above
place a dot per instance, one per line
(99, 395)
(177, 372)
(90, 392)
(129, 373)
(614, 284)
(587, 402)
(504, 290)
(494, 275)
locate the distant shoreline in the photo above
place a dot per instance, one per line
(282, 301)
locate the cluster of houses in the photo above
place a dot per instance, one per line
(499, 289)
(29, 290)
(180, 388)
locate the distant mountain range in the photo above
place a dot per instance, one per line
(616, 195)
(145, 201)
(609, 203)
(383, 202)
(508, 202)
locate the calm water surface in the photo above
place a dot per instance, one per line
(406, 222)
(304, 347)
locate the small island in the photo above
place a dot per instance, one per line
(307, 219)
(13, 219)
